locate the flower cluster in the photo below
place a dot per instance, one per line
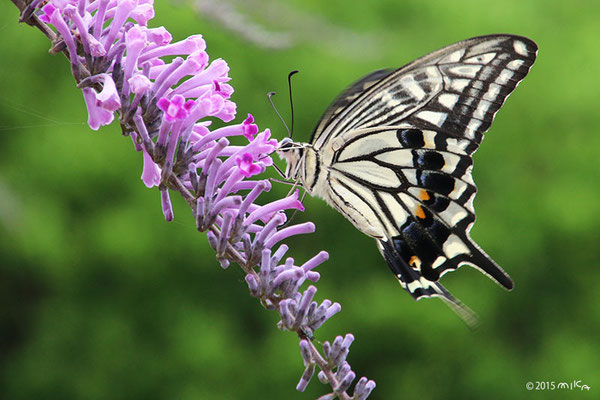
(335, 358)
(163, 92)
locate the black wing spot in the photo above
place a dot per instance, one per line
(411, 138)
(436, 182)
(429, 160)
(439, 232)
(436, 203)
(417, 240)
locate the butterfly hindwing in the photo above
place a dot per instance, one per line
(417, 199)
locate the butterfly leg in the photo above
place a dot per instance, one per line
(296, 184)
(279, 171)
(280, 181)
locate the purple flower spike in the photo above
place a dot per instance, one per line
(162, 93)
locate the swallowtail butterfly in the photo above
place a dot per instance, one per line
(393, 154)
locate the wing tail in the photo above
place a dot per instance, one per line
(418, 286)
(486, 265)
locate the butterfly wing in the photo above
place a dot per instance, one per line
(457, 89)
(347, 97)
(398, 156)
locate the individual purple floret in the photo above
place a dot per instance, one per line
(165, 94)
(363, 388)
(309, 364)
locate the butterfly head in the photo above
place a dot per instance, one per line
(293, 154)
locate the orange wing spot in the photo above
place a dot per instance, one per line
(419, 212)
(424, 195)
(415, 263)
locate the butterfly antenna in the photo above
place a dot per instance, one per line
(291, 101)
(269, 95)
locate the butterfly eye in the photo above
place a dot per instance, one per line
(285, 144)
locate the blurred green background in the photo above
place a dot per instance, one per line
(100, 298)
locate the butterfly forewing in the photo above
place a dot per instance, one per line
(348, 96)
(457, 89)
(395, 151)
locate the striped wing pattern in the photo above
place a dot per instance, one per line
(412, 190)
(457, 89)
(397, 149)
(348, 96)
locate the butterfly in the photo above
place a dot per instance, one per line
(393, 154)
